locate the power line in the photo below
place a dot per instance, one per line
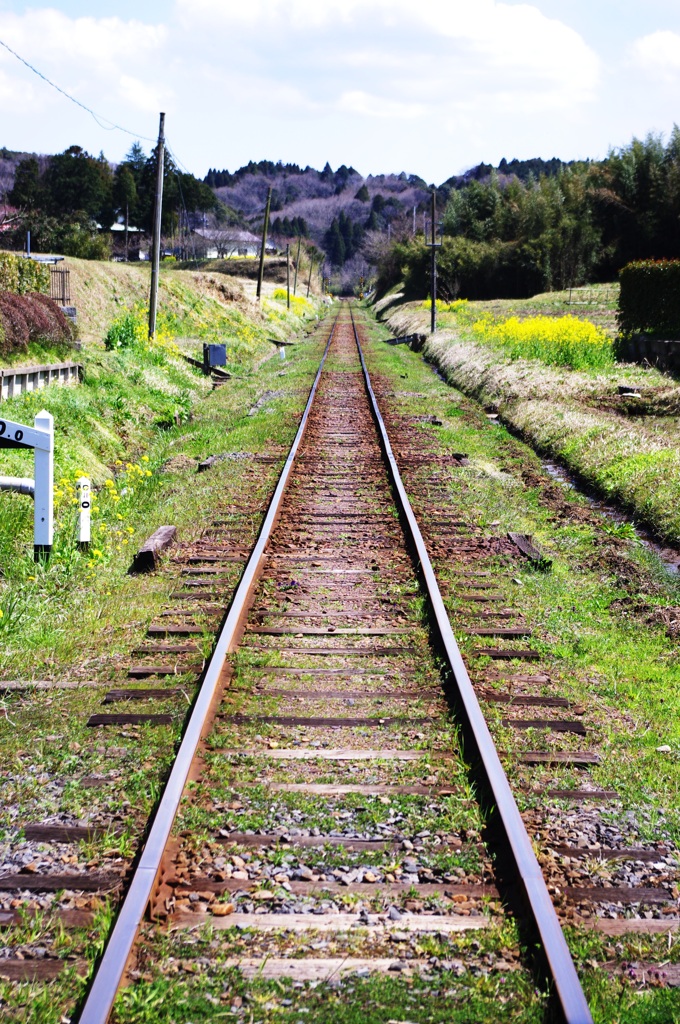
(99, 118)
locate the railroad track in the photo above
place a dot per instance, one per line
(328, 746)
(323, 673)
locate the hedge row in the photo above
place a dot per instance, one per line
(34, 317)
(650, 299)
(21, 275)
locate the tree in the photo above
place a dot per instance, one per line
(335, 244)
(125, 196)
(28, 192)
(362, 195)
(75, 181)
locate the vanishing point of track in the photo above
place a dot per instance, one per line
(321, 606)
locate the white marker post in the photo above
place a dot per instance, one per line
(41, 439)
(84, 503)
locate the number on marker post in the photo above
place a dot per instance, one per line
(84, 489)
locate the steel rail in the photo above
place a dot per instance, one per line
(109, 974)
(572, 1000)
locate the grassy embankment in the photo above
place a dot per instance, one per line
(138, 408)
(626, 448)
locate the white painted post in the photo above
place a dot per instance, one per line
(43, 523)
(282, 353)
(84, 503)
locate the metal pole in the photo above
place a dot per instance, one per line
(297, 264)
(311, 264)
(288, 274)
(264, 242)
(433, 317)
(157, 213)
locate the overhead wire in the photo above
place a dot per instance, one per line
(99, 118)
(109, 125)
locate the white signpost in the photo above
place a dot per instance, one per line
(84, 504)
(40, 438)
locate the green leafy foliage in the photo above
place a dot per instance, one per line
(20, 275)
(650, 298)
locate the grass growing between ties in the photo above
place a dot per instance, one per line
(603, 623)
(546, 367)
(440, 990)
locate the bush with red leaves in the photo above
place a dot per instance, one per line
(33, 317)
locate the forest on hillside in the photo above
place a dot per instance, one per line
(512, 237)
(62, 199)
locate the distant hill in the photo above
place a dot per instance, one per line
(322, 204)
(522, 169)
(316, 198)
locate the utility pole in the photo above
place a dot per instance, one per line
(434, 245)
(264, 242)
(297, 264)
(311, 264)
(414, 222)
(157, 212)
(288, 274)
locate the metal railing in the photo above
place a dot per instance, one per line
(60, 285)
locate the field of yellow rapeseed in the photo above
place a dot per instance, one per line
(560, 341)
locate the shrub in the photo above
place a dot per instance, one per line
(26, 318)
(131, 330)
(20, 275)
(650, 298)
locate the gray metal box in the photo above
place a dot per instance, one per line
(215, 355)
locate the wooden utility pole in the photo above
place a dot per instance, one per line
(434, 245)
(297, 264)
(157, 212)
(265, 226)
(288, 274)
(309, 281)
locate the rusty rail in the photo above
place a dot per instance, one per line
(562, 971)
(111, 968)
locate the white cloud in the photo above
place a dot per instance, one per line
(658, 54)
(358, 102)
(144, 96)
(311, 80)
(432, 50)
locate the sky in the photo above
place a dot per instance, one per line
(430, 87)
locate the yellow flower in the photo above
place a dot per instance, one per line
(2, 614)
(30, 577)
(118, 462)
(145, 458)
(147, 472)
(118, 515)
(130, 529)
(108, 483)
(96, 552)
